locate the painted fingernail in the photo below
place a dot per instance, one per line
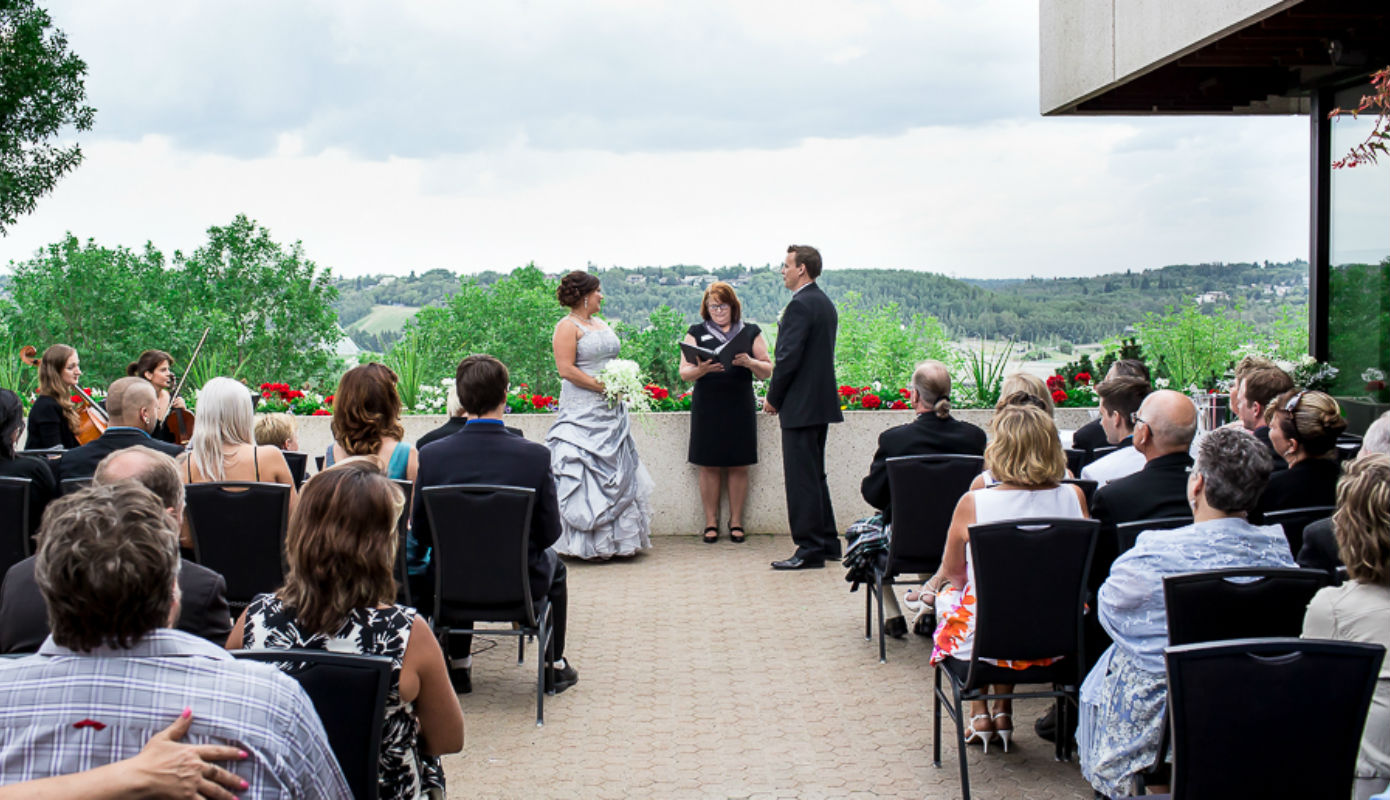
(242, 754)
(187, 712)
(244, 785)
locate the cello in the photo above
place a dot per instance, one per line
(179, 421)
(93, 419)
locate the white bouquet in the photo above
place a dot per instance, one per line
(622, 381)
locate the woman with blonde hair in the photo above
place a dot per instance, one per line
(367, 421)
(223, 446)
(340, 595)
(1028, 384)
(1303, 430)
(1025, 457)
(54, 418)
(1359, 610)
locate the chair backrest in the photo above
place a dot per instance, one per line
(1076, 459)
(1236, 707)
(1030, 587)
(402, 529)
(15, 545)
(1088, 488)
(298, 463)
(349, 692)
(73, 485)
(1127, 533)
(239, 531)
(1239, 603)
(47, 454)
(1348, 446)
(1294, 520)
(481, 536)
(925, 490)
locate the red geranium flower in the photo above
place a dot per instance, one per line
(1083, 377)
(847, 391)
(898, 405)
(1059, 396)
(1055, 382)
(328, 400)
(906, 393)
(539, 400)
(871, 401)
(77, 398)
(321, 412)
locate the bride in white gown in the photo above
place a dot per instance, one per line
(602, 486)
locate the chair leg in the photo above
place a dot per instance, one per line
(936, 722)
(543, 659)
(868, 611)
(960, 746)
(882, 646)
(520, 650)
(1060, 747)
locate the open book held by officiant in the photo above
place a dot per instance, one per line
(724, 353)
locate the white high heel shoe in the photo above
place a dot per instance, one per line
(1005, 734)
(973, 735)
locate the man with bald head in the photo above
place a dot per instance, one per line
(130, 403)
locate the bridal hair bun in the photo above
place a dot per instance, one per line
(574, 286)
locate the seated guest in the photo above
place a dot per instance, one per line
(1258, 390)
(1092, 434)
(130, 403)
(222, 447)
(338, 596)
(203, 607)
(43, 486)
(367, 421)
(1026, 458)
(1319, 549)
(1119, 401)
(1031, 385)
(934, 431)
(457, 418)
(1303, 429)
(279, 430)
(1359, 610)
(1125, 694)
(483, 452)
(1244, 367)
(108, 569)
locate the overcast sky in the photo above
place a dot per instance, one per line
(392, 137)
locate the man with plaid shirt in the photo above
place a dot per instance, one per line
(113, 672)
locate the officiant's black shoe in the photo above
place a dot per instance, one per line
(797, 562)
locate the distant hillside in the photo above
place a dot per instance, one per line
(1045, 310)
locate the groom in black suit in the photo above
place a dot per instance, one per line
(804, 396)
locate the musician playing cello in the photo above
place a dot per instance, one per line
(55, 419)
(156, 366)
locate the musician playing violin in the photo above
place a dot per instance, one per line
(54, 418)
(156, 366)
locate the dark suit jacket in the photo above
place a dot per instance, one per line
(1089, 436)
(928, 434)
(1319, 550)
(453, 426)
(43, 485)
(82, 462)
(803, 388)
(1158, 490)
(485, 452)
(1310, 482)
(24, 615)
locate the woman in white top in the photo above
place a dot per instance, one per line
(1359, 610)
(1025, 457)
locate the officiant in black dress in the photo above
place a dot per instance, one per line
(722, 355)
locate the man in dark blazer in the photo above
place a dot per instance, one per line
(130, 403)
(457, 419)
(203, 607)
(486, 452)
(804, 396)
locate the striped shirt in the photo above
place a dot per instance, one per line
(63, 712)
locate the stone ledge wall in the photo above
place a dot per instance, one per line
(662, 440)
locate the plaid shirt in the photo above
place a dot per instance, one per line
(63, 712)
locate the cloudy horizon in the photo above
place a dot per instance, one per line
(636, 133)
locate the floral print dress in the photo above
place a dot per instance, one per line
(405, 773)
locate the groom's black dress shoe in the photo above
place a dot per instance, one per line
(797, 562)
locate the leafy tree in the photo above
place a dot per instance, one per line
(655, 347)
(41, 91)
(873, 344)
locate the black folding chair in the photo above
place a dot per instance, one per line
(15, 543)
(481, 543)
(318, 463)
(47, 454)
(73, 485)
(1077, 459)
(349, 693)
(298, 463)
(1127, 533)
(1294, 520)
(925, 490)
(1232, 604)
(239, 531)
(1236, 707)
(1030, 594)
(1348, 446)
(402, 528)
(1088, 488)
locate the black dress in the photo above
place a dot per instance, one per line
(723, 417)
(48, 427)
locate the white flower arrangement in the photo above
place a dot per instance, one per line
(1161, 383)
(622, 382)
(1372, 374)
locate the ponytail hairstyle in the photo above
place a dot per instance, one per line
(932, 382)
(51, 384)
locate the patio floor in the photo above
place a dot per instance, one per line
(705, 674)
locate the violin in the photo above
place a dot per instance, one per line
(93, 420)
(179, 421)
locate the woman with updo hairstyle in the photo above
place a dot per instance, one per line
(602, 486)
(156, 366)
(339, 596)
(1359, 610)
(367, 421)
(43, 486)
(1029, 384)
(1025, 457)
(1303, 430)
(723, 412)
(54, 419)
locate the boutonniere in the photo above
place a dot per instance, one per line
(779, 316)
